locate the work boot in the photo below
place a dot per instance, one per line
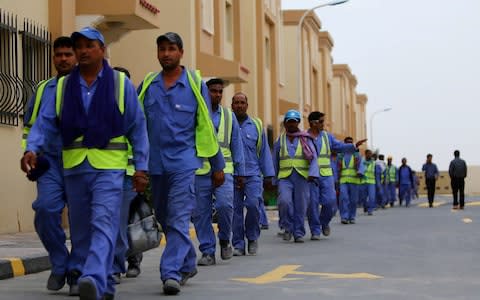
(226, 251)
(252, 247)
(326, 230)
(87, 289)
(206, 260)
(72, 279)
(264, 227)
(171, 287)
(108, 296)
(344, 221)
(238, 252)
(287, 236)
(352, 221)
(299, 240)
(187, 275)
(55, 282)
(116, 278)
(133, 271)
(315, 237)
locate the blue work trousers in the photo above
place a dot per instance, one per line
(322, 192)
(202, 214)
(94, 201)
(247, 226)
(348, 200)
(390, 191)
(404, 191)
(48, 209)
(121, 246)
(263, 219)
(293, 195)
(380, 195)
(174, 200)
(367, 196)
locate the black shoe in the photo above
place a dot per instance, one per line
(299, 240)
(206, 260)
(392, 205)
(133, 272)
(116, 278)
(344, 221)
(264, 227)
(87, 289)
(252, 247)
(430, 204)
(326, 230)
(226, 251)
(352, 221)
(238, 252)
(171, 287)
(287, 236)
(72, 280)
(187, 275)
(108, 296)
(55, 282)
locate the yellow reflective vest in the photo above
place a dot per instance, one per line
(323, 159)
(114, 155)
(349, 173)
(287, 163)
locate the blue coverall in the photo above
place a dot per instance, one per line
(202, 215)
(171, 119)
(349, 192)
(368, 190)
(258, 165)
(293, 191)
(323, 191)
(50, 200)
(94, 196)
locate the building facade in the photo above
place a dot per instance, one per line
(250, 44)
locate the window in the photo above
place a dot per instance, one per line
(268, 53)
(228, 22)
(207, 16)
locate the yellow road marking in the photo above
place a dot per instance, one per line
(435, 204)
(278, 275)
(17, 266)
(475, 203)
(467, 220)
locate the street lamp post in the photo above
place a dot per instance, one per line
(299, 48)
(371, 124)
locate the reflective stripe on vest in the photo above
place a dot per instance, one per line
(130, 167)
(287, 164)
(349, 173)
(206, 142)
(114, 155)
(258, 124)
(323, 159)
(369, 172)
(391, 174)
(224, 136)
(36, 106)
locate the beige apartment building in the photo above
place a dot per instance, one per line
(250, 43)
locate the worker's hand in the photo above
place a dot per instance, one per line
(28, 161)
(311, 178)
(267, 184)
(239, 182)
(140, 181)
(360, 142)
(218, 178)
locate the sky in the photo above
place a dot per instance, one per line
(422, 59)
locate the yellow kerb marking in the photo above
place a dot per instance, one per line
(435, 204)
(17, 266)
(467, 220)
(278, 275)
(476, 203)
(193, 234)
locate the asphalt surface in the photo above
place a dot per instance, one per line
(399, 253)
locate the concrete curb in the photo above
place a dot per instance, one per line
(19, 266)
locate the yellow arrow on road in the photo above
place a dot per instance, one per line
(278, 275)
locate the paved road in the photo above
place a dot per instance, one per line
(399, 253)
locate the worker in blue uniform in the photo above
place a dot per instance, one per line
(258, 172)
(367, 189)
(405, 181)
(51, 200)
(323, 192)
(295, 163)
(181, 133)
(351, 171)
(230, 139)
(94, 158)
(391, 181)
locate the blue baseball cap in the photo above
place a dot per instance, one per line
(292, 115)
(89, 33)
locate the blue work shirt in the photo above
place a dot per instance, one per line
(171, 120)
(431, 170)
(256, 163)
(236, 145)
(53, 146)
(334, 165)
(405, 175)
(46, 127)
(292, 148)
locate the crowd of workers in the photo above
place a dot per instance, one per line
(90, 140)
